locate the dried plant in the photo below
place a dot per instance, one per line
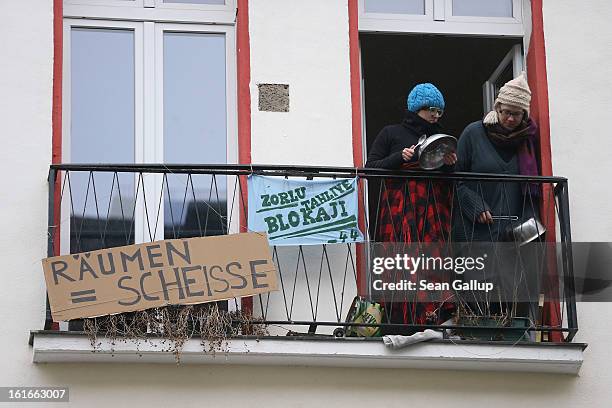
(175, 325)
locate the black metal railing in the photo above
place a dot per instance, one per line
(95, 206)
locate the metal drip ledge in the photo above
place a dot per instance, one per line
(565, 358)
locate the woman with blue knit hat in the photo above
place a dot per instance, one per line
(414, 211)
(394, 147)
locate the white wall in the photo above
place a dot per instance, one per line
(26, 52)
(579, 62)
(320, 118)
(578, 39)
(304, 44)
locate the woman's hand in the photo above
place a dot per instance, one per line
(408, 153)
(450, 158)
(485, 218)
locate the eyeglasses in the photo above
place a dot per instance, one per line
(435, 111)
(508, 113)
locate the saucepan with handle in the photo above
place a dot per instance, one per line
(524, 232)
(431, 150)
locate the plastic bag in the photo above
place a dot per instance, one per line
(364, 312)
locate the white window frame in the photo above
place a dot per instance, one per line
(438, 19)
(515, 57)
(156, 52)
(148, 99)
(139, 98)
(152, 10)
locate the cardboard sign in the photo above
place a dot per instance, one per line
(304, 212)
(176, 271)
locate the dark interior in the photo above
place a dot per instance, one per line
(458, 66)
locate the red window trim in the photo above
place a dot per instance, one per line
(56, 112)
(243, 52)
(538, 82)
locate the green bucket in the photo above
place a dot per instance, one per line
(493, 329)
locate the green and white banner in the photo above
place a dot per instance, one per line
(304, 212)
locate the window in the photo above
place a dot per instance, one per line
(142, 86)
(196, 1)
(194, 101)
(482, 8)
(102, 130)
(465, 17)
(395, 6)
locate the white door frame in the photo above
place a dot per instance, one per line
(438, 19)
(514, 57)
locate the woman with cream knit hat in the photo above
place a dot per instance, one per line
(504, 142)
(515, 95)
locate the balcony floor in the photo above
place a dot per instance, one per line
(566, 358)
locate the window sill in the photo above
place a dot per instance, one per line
(70, 347)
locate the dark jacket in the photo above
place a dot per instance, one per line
(386, 152)
(477, 154)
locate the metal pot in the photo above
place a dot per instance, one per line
(431, 150)
(526, 231)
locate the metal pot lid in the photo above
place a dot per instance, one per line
(432, 150)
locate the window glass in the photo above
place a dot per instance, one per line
(196, 1)
(195, 132)
(395, 6)
(101, 131)
(505, 76)
(94, 1)
(482, 8)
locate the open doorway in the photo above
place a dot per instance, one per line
(467, 70)
(458, 66)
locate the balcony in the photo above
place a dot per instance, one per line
(306, 321)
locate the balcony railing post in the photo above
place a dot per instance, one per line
(50, 237)
(568, 262)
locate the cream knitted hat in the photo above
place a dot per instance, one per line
(516, 93)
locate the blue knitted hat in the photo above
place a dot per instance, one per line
(424, 96)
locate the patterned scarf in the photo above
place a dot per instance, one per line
(523, 139)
